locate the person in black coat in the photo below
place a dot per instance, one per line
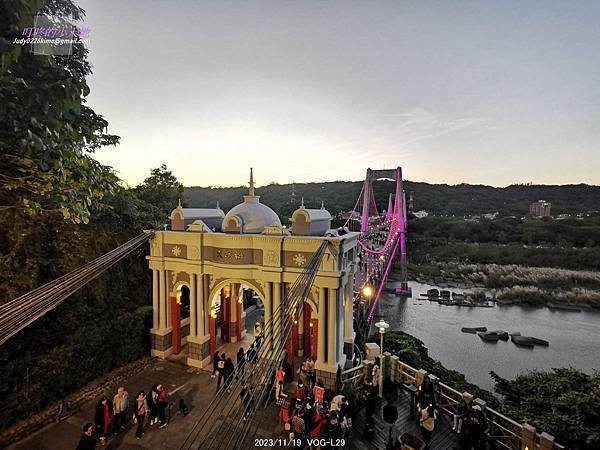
(87, 440)
(228, 371)
(370, 399)
(241, 361)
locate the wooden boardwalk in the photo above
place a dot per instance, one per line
(443, 436)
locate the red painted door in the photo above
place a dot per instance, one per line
(239, 308)
(306, 345)
(176, 325)
(314, 337)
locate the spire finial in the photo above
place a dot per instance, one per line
(251, 190)
(179, 203)
(322, 204)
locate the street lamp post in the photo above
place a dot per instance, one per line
(382, 327)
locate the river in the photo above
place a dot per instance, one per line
(574, 336)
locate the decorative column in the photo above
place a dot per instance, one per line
(193, 306)
(233, 302)
(331, 329)
(200, 306)
(155, 300)
(349, 317)
(167, 298)
(199, 343)
(277, 314)
(301, 351)
(321, 330)
(162, 300)
(239, 307)
(268, 326)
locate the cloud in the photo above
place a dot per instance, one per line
(419, 124)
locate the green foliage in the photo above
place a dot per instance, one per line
(46, 131)
(440, 199)
(161, 189)
(90, 352)
(412, 351)
(424, 252)
(509, 230)
(563, 402)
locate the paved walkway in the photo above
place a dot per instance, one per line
(193, 385)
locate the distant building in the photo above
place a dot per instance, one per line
(490, 216)
(421, 214)
(541, 208)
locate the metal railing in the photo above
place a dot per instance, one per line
(505, 432)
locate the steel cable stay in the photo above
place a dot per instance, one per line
(15, 311)
(265, 355)
(16, 307)
(269, 329)
(26, 299)
(17, 314)
(276, 332)
(295, 308)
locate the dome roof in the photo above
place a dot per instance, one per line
(255, 216)
(251, 216)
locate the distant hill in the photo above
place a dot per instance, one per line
(435, 198)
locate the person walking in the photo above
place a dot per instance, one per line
(311, 375)
(216, 359)
(375, 373)
(257, 335)
(461, 413)
(427, 422)
(370, 398)
(228, 371)
(152, 401)
(300, 392)
(140, 411)
(241, 361)
(120, 405)
(163, 404)
(279, 380)
(220, 370)
(103, 419)
(246, 397)
(476, 425)
(87, 441)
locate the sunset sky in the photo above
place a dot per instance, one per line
(477, 92)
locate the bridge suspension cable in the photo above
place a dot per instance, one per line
(224, 431)
(18, 313)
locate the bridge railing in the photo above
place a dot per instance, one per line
(505, 432)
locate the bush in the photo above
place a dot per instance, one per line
(28, 384)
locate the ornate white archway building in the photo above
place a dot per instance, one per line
(213, 254)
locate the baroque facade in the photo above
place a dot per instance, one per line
(248, 248)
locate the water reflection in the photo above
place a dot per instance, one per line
(574, 337)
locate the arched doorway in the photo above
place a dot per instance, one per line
(180, 310)
(226, 313)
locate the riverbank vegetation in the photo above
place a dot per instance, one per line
(562, 402)
(519, 284)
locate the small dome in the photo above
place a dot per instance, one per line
(250, 217)
(255, 216)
